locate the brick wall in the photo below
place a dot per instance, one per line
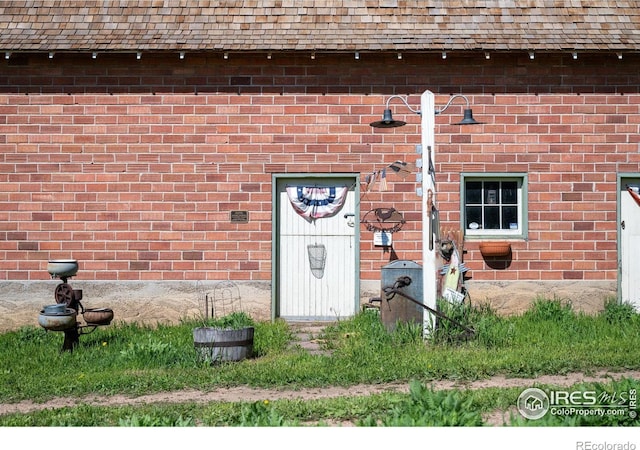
(132, 167)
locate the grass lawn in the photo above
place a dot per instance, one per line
(133, 360)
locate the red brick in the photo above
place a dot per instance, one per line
(129, 163)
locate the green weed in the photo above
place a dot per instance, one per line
(233, 321)
(452, 328)
(426, 407)
(271, 337)
(262, 414)
(618, 313)
(554, 310)
(148, 420)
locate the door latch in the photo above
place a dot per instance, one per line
(622, 225)
(351, 219)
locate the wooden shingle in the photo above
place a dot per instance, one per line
(331, 25)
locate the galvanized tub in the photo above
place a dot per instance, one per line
(223, 344)
(399, 309)
(62, 268)
(58, 308)
(58, 321)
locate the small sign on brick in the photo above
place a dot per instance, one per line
(239, 216)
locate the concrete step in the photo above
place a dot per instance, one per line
(307, 336)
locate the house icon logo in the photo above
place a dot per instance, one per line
(533, 403)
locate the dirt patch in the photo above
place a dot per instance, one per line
(247, 394)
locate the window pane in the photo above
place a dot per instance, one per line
(491, 190)
(509, 217)
(492, 205)
(474, 217)
(473, 193)
(492, 218)
(509, 192)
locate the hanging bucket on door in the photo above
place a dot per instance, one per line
(317, 259)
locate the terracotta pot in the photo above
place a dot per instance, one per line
(98, 316)
(495, 249)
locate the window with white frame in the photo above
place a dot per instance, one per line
(494, 205)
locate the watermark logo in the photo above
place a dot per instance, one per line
(590, 445)
(534, 403)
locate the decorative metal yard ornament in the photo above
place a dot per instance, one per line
(427, 112)
(383, 219)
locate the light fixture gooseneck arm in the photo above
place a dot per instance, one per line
(404, 100)
(437, 111)
(440, 111)
(388, 122)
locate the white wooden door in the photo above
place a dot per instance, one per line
(317, 260)
(629, 250)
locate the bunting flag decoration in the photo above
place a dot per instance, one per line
(399, 168)
(370, 180)
(384, 187)
(402, 169)
(313, 203)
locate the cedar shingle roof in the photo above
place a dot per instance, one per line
(337, 25)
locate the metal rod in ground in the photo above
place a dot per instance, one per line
(391, 292)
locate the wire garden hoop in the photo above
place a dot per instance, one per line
(223, 300)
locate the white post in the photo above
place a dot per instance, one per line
(429, 260)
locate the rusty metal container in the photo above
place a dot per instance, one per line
(98, 316)
(58, 321)
(398, 309)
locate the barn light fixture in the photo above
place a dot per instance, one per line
(574, 55)
(51, 55)
(182, 54)
(532, 55)
(619, 54)
(389, 122)
(139, 55)
(226, 55)
(444, 55)
(94, 55)
(357, 55)
(430, 232)
(487, 55)
(7, 55)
